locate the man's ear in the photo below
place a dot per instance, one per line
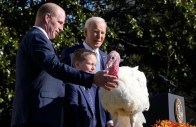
(47, 17)
(85, 32)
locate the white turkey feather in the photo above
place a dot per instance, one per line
(127, 102)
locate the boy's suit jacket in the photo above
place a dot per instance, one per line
(78, 112)
(66, 55)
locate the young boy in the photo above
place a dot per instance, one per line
(80, 107)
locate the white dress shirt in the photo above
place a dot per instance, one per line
(42, 30)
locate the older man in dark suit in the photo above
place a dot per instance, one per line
(39, 90)
(94, 32)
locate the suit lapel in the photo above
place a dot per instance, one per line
(103, 60)
(86, 97)
(54, 48)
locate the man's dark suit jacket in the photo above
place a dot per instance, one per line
(38, 90)
(66, 55)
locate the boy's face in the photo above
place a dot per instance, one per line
(88, 65)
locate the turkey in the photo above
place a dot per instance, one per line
(128, 101)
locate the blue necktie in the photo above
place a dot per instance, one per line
(92, 106)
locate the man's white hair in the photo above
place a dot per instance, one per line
(94, 19)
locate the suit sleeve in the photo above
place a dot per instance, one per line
(71, 106)
(44, 54)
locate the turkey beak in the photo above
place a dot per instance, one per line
(109, 64)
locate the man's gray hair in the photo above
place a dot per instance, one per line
(94, 19)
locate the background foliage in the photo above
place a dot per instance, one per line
(157, 35)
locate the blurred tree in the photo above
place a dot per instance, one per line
(8, 47)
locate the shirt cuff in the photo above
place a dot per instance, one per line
(110, 121)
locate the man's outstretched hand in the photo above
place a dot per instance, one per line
(102, 79)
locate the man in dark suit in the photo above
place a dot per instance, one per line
(39, 73)
(94, 32)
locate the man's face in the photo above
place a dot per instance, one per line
(55, 24)
(95, 34)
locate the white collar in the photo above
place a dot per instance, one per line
(89, 48)
(42, 30)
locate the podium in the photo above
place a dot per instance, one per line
(165, 106)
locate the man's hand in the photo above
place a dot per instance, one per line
(104, 80)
